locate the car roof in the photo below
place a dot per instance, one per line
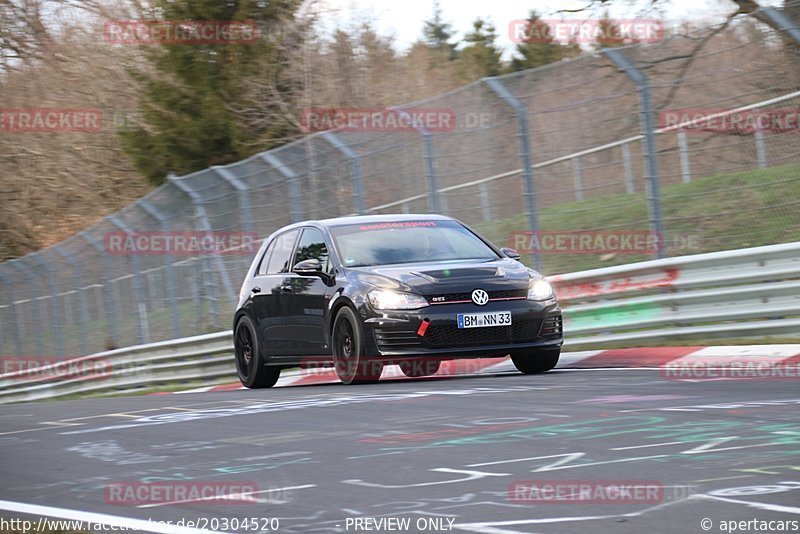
(364, 219)
(369, 219)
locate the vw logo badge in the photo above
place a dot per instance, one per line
(480, 297)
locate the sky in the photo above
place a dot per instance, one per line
(403, 19)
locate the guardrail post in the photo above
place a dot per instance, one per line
(245, 218)
(36, 304)
(628, 169)
(84, 308)
(355, 168)
(650, 153)
(296, 206)
(686, 173)
(205, 226)
(108, 298)
(136, 271)
(577, 178)
(430, 162)
(16, 336)
(525, 154)
(172, 288)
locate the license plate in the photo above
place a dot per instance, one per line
(480, 320)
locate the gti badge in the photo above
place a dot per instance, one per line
(480, 297)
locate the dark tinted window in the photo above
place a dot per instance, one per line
(262, 267)
(279, 261)
(312, 246)
(407, 242)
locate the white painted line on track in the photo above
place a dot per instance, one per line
(102, 519)
(760, 505)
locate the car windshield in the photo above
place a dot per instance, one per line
(388, 243)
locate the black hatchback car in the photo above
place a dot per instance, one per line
(359, 293)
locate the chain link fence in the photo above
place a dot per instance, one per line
(592, 146)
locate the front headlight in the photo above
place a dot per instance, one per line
(540, 289)
(387, 299)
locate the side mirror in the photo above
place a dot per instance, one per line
(308, 267)
(510, 253)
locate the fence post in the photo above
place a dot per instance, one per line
(54, 312)
(35, 304)
(136, 270)
(486, 201)
(108, 299)
(245, 217)
(172, 289)
(84, 308)
(628, 168)
(355, 168)
(683, 149)
(296, 206)
(16, 336)
(430, 162)
(205, 226)
(650, 154)
(443, 204)
(761, 153)
(577, 179)
(525, 154)
(779, 19)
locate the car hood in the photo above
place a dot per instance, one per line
(444, 277)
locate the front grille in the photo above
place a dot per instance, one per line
(493, 295)
(526, 330)
(452, 336)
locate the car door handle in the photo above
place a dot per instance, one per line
(255, 289)
(286, 287)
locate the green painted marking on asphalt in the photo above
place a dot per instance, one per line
(614, 315)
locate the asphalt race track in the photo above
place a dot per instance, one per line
(457, 454)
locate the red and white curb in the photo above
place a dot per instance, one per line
(657, 357)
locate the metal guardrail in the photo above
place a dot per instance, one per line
(752, 293)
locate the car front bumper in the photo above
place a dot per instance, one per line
(397, 334)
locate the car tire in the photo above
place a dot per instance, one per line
(249, 360)
(417, 368)
(352, 364)
(535, 361)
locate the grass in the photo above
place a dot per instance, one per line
(739, 210)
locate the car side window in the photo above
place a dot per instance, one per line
(282, 253)
(312, 246)
(262, 266)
